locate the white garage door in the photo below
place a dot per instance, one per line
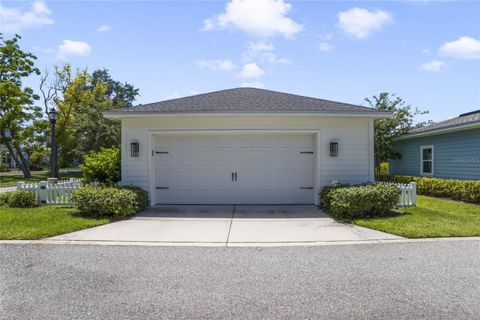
(234, 169)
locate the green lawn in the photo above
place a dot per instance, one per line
(432, 217)
(8, 179)
(42, 222)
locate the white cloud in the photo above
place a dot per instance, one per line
(253, 84)
(325, 47)
(360, 23)
(251, 70)
(262, 51)
(462, 48)
(13, 20)
(261, 18)
(433, 66)
(217, 65)
(104, 28)
(73, 48)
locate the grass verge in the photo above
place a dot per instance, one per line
(43, 222)
(431, 218)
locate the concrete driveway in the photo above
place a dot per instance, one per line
(228, 225)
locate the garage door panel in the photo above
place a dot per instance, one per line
(223, 159)
(295, 178)
(264, 142)
(263, 159)
(243, 159)
(246, 142)
(202, 142)
(264, 178)
(270, 169)
(224, 142)
(202, 159)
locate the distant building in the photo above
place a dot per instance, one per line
(446, 149)
(6, 159)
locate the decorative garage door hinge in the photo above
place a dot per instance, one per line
(306, 188)
(159, 152)
(306, 152)
(162, 188)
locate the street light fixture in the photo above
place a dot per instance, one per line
(53, 116)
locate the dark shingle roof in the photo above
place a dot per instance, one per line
(247, 100)
(463, 119)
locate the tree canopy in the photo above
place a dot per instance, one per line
(386, 130)
(17, 108)
(81, 98)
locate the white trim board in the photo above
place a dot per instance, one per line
(375, 115)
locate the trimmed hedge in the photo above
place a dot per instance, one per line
(18, 199)
(142, 196)
(345, 202)
(462, 190)
(110, 201)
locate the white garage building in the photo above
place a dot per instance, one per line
(245, 146)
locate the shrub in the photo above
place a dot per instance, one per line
(462, 190)
(109, 201)
(4, 196)
(4, 167)
(142, 196)
(38, 159)
(103, 166)
(18, 199)
(350, 202)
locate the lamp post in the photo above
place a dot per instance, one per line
(53, 116)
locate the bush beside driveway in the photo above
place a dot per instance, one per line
(432, 217)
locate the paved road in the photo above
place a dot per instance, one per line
(437, 280)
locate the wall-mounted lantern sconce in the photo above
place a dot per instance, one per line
(333, 149)
(134, 149)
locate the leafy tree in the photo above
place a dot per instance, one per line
(17, 108)
(385, 130)
(121, 94)
(81, 99)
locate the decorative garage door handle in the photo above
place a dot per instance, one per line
(235, 177)
(232, 177)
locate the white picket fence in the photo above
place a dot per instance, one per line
(52, 191)
(408, 193)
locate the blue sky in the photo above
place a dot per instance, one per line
(427, 52)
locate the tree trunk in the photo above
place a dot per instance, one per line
(20, 160)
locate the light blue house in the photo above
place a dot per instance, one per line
(447, 149)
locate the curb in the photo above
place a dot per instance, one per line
(232, 244)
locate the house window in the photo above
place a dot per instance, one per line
(426, 160)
